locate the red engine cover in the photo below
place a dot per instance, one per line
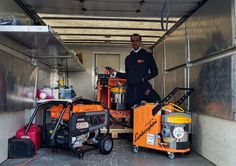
(33, 134)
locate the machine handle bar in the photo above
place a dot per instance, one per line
(169, 96)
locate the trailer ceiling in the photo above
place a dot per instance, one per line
(111, 22)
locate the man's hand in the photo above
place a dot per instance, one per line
(111, 71)
(113, 74)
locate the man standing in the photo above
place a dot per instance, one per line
(140, 67)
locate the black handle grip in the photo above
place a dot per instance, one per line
(108, 68)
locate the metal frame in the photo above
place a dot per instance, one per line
(113, 28)
(34, 32)
(178, 23)
(105, 19)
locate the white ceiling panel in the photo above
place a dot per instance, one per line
(112, 21)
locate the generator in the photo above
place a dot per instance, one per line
(80, 125)
(74, 125)
(163, 126)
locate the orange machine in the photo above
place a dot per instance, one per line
(56, 110)
(73, 125)
(111, 93)
(163, 126)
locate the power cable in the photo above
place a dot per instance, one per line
(165, 13)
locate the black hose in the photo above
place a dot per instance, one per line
(162, 15)
(167, 15)
(114, 119)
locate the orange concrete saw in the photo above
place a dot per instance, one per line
(163, 126)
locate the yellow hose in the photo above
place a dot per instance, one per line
(172, 107)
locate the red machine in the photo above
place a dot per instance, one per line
(33, 133)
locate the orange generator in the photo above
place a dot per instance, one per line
(163, 126)
(76, 124)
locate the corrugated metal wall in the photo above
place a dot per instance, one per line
(16, 86)
(18, 73)
(195, 56)
(205, 33)
(171, 57)
(210, 31)
(159, 84)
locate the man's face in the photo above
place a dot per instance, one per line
(136, 42)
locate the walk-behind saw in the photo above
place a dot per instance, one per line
(163, 126)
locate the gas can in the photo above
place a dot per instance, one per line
(33, 134)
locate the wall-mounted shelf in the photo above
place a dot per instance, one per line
(43, 44)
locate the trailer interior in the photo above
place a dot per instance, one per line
(46, 45)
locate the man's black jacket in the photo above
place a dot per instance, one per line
(139, 68)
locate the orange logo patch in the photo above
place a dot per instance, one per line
(140, 61)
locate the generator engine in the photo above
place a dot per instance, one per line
(86, 127)
(62, 136)
(77, 141)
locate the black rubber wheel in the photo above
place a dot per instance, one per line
(135, 149)
(106, 145)
(171, 155)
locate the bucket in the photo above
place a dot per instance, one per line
(118, 98)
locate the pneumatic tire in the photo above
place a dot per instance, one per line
(106, 145)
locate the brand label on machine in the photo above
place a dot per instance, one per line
(178, 132)
(82, 125)
(151, 139)
(150, 124)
